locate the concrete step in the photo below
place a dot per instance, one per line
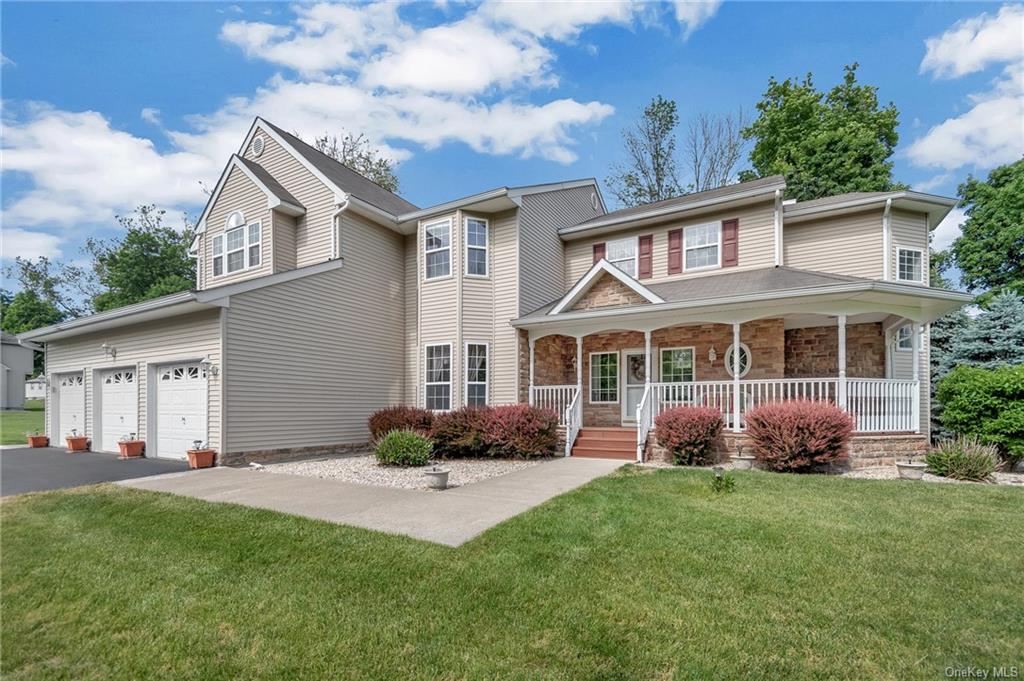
(609, 434)
(591, 453)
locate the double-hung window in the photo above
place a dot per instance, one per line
(677, 365)
(437, 249)
(476, 247)
(438, 379)
(909, 264)
(622, 254)
(239, 246)
(476, 374)
(702, 246)
(905, 338)
(218, 255)
(604, 377)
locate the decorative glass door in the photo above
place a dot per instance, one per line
(634, 377)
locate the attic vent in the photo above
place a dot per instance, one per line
(257, 146)
(593, 200)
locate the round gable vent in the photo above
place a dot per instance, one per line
(257, 146)
(593, 201)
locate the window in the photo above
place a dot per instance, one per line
(254, 244)
(744, 359)
(439, 377)
(476, 247)
(242, 246)
(437, 249)
(905, 338)
(604, 377)
(622, 254)
(476, 374)
(908, 265)
(702, 246)
(676, 365)
(218, 255)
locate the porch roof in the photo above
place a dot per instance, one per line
(753, 294)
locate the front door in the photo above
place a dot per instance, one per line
(634, 378)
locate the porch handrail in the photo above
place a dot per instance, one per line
(644, 420)
(573, 417)
(554, 397)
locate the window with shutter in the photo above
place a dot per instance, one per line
(675, 251)
(730, 243)
(598, 251)
(644, 266)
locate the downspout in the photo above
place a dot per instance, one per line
(778, 227)
(340, 204)
(887, 241)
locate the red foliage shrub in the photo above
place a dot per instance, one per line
(460, 433)
(797, 435)
(383, 421)
(689, 434)
(520, 431)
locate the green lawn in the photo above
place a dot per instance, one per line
(639, 575)
(14, 424)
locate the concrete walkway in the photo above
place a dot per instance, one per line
(452, 517)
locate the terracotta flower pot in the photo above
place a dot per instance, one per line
(38, 441)
(77, 443)
(200, 458)
(131, 449)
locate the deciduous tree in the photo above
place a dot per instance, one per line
(650, 171)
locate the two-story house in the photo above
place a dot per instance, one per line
(321, 297)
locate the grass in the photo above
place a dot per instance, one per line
(638, 575)
(14, 424)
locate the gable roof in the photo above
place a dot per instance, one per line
(601, 267)
(267, 180)
(278, 198)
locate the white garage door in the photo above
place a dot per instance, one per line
(119, 403)
(70, 405)
(180, 409)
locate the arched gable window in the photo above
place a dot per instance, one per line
(236, 219)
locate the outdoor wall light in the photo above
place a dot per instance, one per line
(712, 355)
(209, 367)
(109, 350)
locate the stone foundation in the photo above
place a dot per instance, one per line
(291, 454)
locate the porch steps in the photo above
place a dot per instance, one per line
(606, 443)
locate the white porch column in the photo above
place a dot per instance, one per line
(841, 389)
(915, 335)
(579, 365)
(647, 361)
(736, 377)
(533, 348)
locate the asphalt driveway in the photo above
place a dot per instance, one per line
(36, 470)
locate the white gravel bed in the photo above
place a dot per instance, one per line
(365, 470)
(890, 473)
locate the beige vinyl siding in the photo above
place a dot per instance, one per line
(843, 244)
(439, 305)
(283, 242)
(506, 259)
(309, 360)
(312, 230)
(902, 366)
(412, 361)
(239, 194)
(142, 346)
(756, 243)
(909, 230)
(541, 250)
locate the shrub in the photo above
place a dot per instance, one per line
(404, 448)
(723, 484)
(460, 433)
(383, 421)
(963, 458)
(988, 404)
(520, 431)
(798, 435)
(689, 434)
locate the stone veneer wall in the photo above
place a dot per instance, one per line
(608, 291)
(813, 352)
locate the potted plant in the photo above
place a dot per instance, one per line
(131, 448)
(200, 456)
(910, 469)
(76, 442)
(740, 461)
(37, 440)
(437, 477)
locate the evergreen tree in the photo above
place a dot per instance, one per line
(943, 331)
(994, 338)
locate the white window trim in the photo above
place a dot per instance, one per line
(213, 255)
(636, 255)
(910, 338)
(718, 248)
(426, 368)
(486, 248)
(223, 237)
(487, 372)
(426, 251)
(693, 358)
(920, 255)
(618, 377)
(230, 224)
(728, 360)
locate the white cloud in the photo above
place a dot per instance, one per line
(933, 182)
(946, 232)
(5, 61)
(692, 15)
(557, 20)
(150, 115)
(16, 242)
(973, 44)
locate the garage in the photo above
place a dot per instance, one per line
(119, 407)
(71, 405)
(180, 409)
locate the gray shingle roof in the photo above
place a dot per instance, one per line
(268, 180)
(348, 179)
(838, 198)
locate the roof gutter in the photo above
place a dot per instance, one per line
(796, 211)
(128, 310)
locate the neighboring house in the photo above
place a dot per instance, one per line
(35, 389)
(321, 297)
(15, 367)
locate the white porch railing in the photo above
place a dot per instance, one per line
(644, 421)
(573, 417)
(554, 397)
(884, 405)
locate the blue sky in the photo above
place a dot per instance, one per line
(106, 106)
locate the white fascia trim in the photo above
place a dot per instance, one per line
(796, 211)
(454, 204)
(128, 310)
(670, 210)
(274, 202)
(602, 266)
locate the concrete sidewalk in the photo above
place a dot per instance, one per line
(452, 517)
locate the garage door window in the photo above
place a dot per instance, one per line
(119, 378)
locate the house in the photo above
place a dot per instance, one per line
(15, 366)
(35, 388)
(321, 297)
